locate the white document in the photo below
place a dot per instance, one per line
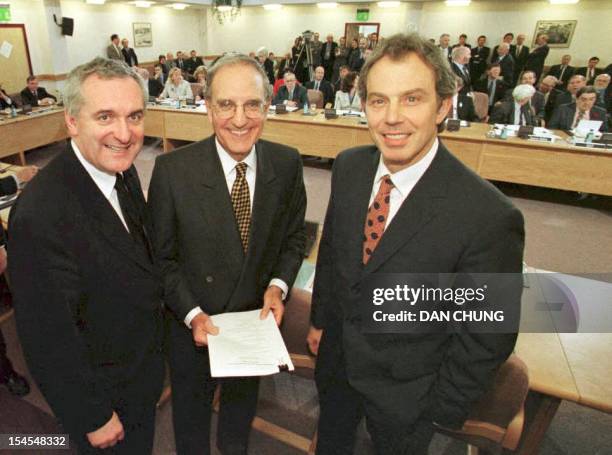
(289, 108)
(584, 126)
(247, 346)
(6, 49)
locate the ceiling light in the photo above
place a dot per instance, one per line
(142, 4)
(458, 2)
(563, 2)
(95, 2)
(224, 8)
(272, 6)
(327, 5)
(179, 6)
(388, 4)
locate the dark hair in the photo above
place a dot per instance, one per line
(586, 89)
(348, 82)
(397, 48)
(509, 34)
(160, 57)
(463, 35)
(482, 36)
(30, 78)
(594, 58)
(493, 65)
(113, 36)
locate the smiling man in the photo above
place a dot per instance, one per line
(404, 205)
(228, 214)
(87, 300)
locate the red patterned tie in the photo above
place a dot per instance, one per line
(377, 218)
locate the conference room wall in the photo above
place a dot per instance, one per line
(591, 36)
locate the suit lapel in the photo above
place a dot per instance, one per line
(104, 218)
(216, 204)
(421, 206)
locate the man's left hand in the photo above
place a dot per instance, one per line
(273, 301)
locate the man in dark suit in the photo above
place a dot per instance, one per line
(575, 83)
(90, 323)
(537, 101)
(35, 95)
(228, 213)
(180, 62)
(563, 72)
(266, 63)
(568, 116)
(480, 56)
(462, 105)
(444, 46)
(460, 66)
(537, 57)
(357, 56)
(344, 70)
(128, 53)
(462, 42)
(193, 62)
(390, 209)
(508, 38)
(506, 63)
(518, 110)
(520, 52)
(492, 85)
(590, 72)
(328, 56)
(549, 94)
(291, 93)
(319, 83)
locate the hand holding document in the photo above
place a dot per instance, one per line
(247, 346)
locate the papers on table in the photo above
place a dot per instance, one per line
(289, 108)
(350, 112)
(247, 346)
(585, 126)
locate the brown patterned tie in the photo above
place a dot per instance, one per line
(241, 201)
(377, 218)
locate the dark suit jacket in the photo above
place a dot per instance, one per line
(155, 87)
(332, 54)
(465, 109)
(326, 88)
(478, 62)
(563, 117)
(564, 98)
(500, 88)
(507, 68)
(504, 113)
(467, 81)
(355, 62)
(300, 96)
(535, 60)
(8, 185)
(28, 98)
(583, 72)
(4, 104)
(129, 56)
(197, 240)
(193, 63)
(551, 103)
(269, 69)
(520, 59)
(538, 104)
(90, 324)
(555, 70)
(404, 377)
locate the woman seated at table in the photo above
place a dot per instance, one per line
(176, 87)
(199, 76)
(347, 97)
(517, 111)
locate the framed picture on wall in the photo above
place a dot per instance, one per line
(559, 33)
(143, 34)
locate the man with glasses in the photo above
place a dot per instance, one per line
(228, 215)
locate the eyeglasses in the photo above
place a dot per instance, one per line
(227, 108)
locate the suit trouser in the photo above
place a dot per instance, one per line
(192, 395)
(342, 408)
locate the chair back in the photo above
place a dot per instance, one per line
(196, 88)
(315, 97)
(481, 104)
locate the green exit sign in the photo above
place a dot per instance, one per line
(5, 12)
(363, 14)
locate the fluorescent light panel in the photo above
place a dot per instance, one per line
(272, 6)
(224, 8)
(95, 2)
(388, 4)
(179, 6)
(327, 5)
(458, 2)
(563, 2)
(142, 4)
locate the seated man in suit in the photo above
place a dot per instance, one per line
(460, 65)
(492, 85)
(550, 93)
(568, 116)
(562, 71)
(590, 72)
(463, 105)
(404, 205)
(537, 102)
(291, 93)
(35, 95)
(576, 82)
(344, 70)
(229, 231)
(506, 63)
(319, 83)
(517, 111)
(604, 94)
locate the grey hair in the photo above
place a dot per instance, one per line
(237, 60)
(504, 46)
(459, 51)
(523, 91)
(105, 69)
(262, 51)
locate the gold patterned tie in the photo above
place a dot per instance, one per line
(241, 201)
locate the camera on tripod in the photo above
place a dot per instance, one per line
(307, 35)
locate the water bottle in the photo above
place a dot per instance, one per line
(504, 133)
(13, 111)
(589, 137)
(305, 108)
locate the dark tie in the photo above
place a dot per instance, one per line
(241, 201)
(131, 213)
(376, 219)
(317, 85)
(579, 117)
(466, 73)
(491, 92)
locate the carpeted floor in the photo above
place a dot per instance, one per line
(563, 234)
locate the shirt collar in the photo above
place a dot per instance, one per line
(228, 163)
(104, 181)
(406, 179)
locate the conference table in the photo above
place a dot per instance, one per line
(552, 165)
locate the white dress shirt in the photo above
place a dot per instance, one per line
(404, 181)
(229, 171)
(105, 182)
